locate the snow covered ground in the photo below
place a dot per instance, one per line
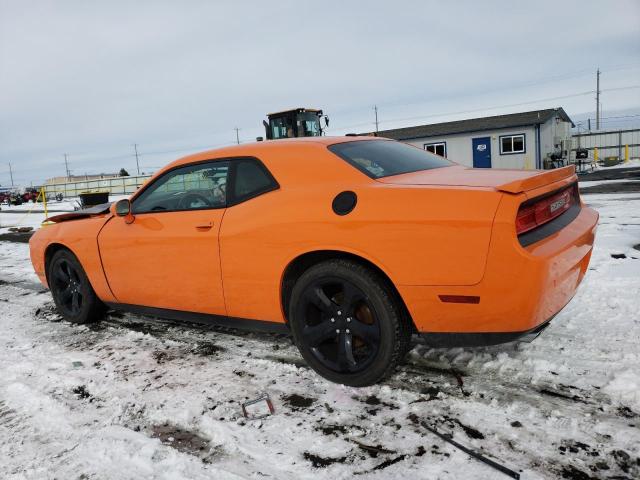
(134, 397)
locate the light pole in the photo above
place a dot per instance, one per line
(66, 166)
(598, 99)
(375, 109)
(11, 174)
(135, 147)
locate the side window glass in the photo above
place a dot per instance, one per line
(251, 179)
(193, 187)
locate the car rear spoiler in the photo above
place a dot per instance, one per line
(84, 213)
(539, 180)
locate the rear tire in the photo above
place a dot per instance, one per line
(72, 293)
(347, 324)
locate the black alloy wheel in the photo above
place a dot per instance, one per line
(66, 286)
(72, 293)
(347, 323)
(340, 327)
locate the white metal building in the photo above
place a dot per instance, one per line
(518, 140)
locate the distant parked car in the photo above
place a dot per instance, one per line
(353, 244)
(30, 195)
(12, 198)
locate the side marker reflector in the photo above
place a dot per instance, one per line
(459, 299)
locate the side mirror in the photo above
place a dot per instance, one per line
(123, 209)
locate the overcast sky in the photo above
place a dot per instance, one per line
(91, 78)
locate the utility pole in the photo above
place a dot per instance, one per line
(375, 109)
(11, 174)
(66, 166)
(598, 100)
(135, 147)
(237, 135)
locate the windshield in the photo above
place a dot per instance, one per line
(383, 158)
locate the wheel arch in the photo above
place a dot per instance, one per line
(303, 262)
(49, 252)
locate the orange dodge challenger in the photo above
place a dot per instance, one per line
(351, 243)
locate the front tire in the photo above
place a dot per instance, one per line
(72, 293)
(347, 324)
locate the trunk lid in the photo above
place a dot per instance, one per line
(511, 181)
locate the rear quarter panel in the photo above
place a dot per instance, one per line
(522, 286)
(416, 235)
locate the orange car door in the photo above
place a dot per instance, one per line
(168, 257)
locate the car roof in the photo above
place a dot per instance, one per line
(254, 148)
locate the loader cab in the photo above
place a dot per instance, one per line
(300, 122)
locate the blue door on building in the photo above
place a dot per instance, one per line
(481, 152)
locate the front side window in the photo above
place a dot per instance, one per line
(251, 179)
(193, 187)
(383, 158)
(437, 148)
(512, 144)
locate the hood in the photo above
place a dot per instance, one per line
(78, 214)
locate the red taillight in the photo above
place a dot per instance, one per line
(533, 215)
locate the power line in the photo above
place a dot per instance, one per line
(442, 114)
(547, 79)
(620, 116)
(628, 87)
(581, 94)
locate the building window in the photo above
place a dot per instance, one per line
(439, 148)
(512, 144)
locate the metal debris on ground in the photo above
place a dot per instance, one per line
(77, 364)
(258, 408)
(473, 453)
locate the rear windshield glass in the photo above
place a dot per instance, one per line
(383, 158)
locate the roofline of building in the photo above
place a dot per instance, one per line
(462, 132)
(398, 131)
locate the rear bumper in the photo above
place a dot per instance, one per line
(523, 288)
(484, 339)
